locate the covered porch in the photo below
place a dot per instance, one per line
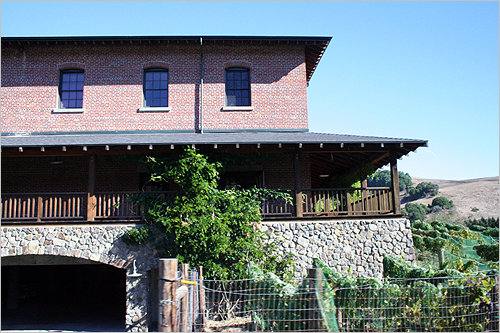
(92, 178)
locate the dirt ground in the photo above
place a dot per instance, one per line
(480, 193)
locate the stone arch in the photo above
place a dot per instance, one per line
(97, 243)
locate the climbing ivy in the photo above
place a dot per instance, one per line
(203, 225)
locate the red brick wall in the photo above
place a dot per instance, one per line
(113, 87)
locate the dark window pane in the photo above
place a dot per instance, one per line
(79, 85)
(156, 84)
(72, 103)
(149, 94)
(164, 76)
(79, 103)
(231, 100)
(72, 95)
(244, 75)
(163, 94)
(164, 102)
(149, 76)
(156, 76)
(149, 84)
(164, 84)
(64, 95)
(156, 94)
(79, 95)
(72, 86)
(65, 77)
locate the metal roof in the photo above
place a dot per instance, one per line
(314, 46)
(43, 140)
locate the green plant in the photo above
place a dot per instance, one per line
(382, 178)
(204, 225)
(442, 202)
(415, 212)
(424, 189)
(487, 252)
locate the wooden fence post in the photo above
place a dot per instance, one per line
(167, 288)
(203, 305)
(183, 325)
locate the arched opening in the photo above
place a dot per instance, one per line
(62, 293)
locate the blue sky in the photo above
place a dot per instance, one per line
(422, 70)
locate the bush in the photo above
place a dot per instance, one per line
(491, 222)
(382, 178)
(442, 202)
(416, 212)
(205, 226)
(487, 252)
(423, 190)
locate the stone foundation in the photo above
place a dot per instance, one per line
(350, 246)
(100, 244)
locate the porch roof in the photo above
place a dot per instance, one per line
(166, 138)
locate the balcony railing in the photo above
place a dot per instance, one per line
(80, 206)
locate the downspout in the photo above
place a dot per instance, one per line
(201, 86)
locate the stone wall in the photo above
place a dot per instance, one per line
(100, 244)
(354, 246)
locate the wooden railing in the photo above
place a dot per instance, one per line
(38, 206)
(68, 206)
(347, 201)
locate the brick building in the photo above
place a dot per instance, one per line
(78, 112)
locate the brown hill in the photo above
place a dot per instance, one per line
(480, 193)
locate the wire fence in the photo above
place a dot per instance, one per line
(316, 303)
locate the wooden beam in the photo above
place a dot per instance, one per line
(91, 199)
(396, 202)
(298, 185)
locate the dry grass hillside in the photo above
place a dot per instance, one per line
(481, 193)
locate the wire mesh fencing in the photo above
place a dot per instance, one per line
(317, 303)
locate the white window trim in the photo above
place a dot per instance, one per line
(154, 109)
(68, 110)
(237, 108)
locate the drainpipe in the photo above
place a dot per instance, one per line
(201, 86)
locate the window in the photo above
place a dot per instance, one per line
(237, 86)
(156, 87)
(71, 89)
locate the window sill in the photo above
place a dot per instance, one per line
(71, 110)
(237, 108)
(154, 109)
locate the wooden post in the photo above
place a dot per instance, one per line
(349, 204)
(298, 185)
(91, 199)
(441, 257)
(364, 201)
(167, 288)
(203, 305)
(39, 212)
(183, 325)
(396, 202)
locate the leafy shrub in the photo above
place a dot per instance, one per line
(415, 211)
(418, 242)
(423, 190)
(493, 232)
(204, 225)
(442, 202)
(382, 178)
(490, 222)
(487, 252)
